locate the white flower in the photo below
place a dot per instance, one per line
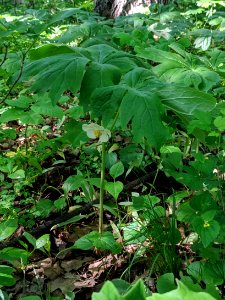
(95, 131)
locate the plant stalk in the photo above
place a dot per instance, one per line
(102, 189)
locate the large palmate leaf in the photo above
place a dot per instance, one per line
(49, 50)
(106, 54)
(185, 100)
(138, 291)
(65, 70)
(56, 73)
(173, 68)
(181, 293)
(98, 75)
(83, 31)
(67, 13)
(108, 64)
(110, 292)
(141, 99)
(137, 101)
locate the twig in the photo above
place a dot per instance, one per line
(24, 54)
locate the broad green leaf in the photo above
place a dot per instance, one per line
(18, 174)
(75, 32)
(12, 64)
(6, 277)
(185, 212)
(73, 183)
(175, 69)
(56, 74)
(203, 42)
(110, 292)
(110, 64)
(31, 117)
(203, 121)
(87, 241)
(107, 75)
(203, 202)
(11, 114)
(44, 106)
(83, 31)
(145, 202)
(117, 170)
(132, 233)
(159, 56)
(121, 285)
(74, 134)
(177, 196)
(131, 155)
(207, 230)
(166, 283)
(114, 188)
(49, 50)
(106, 241)
(195, 269)
(138, 91)
(138, 291)
(64, 14)
(219, 122)
(169, 149)
(144, 109)
(21, 102)
(124, 61)
(182, 293)
(186, 101)
(30, 239)
(7, 228)
(214, 272)
(44, 207)
(200, 78)
(15, 255)
(155, 213)
(171, 157)
(42, 241)
(111, 159)
(60, 203)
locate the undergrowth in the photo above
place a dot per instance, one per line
(121, 120)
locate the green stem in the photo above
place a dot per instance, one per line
(102, 189)
(114, 121)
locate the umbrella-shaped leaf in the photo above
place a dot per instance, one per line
(56, 73)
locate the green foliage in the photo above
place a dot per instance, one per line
(8, 227)
(102, 241)
(6, 277)
(109, 292)
(82, 96)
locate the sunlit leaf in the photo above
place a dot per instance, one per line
(7, 228)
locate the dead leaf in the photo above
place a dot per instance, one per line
(53, 271)
(74, 264)
(87, 283)
(64, 284)
(70, 265)
(101, 265)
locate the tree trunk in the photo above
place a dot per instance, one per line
(115, 8)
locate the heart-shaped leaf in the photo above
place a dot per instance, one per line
(114, 188)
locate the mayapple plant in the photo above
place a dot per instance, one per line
(95, 131)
